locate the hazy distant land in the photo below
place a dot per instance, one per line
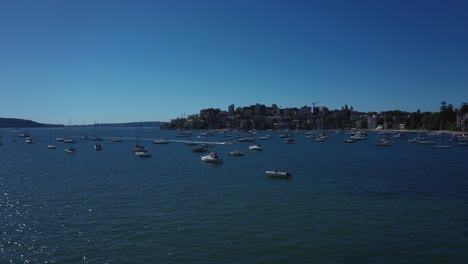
(21, 123)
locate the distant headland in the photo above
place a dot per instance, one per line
(22, 123)
(19, 123)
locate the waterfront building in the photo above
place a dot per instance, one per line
(371, 122)
(231, 110)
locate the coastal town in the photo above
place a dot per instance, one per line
(262, 117)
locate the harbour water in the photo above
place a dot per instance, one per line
(346, 203)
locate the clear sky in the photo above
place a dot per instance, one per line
(119, 61)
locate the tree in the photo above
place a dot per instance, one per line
(463, 109)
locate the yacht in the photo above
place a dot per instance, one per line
(236, 153)
(51, 147)
(160, 141)
(256, 147)
(246, 139)
(213, 157)
(139, 148)
(29, 140)
(144, 153)
(279, 174)
(70, 150)
(199, 150)
(384, 143)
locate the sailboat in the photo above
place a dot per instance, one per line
(159, 141)
(139, 149)
(382, 140)
(58, 137)
(96, 138)
(348, 138)
(50, 146)
(26, 133)
(69, 139)
(440, 146)
(115, 139)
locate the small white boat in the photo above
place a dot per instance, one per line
(29, 140)
(51, 147)
(139, 148)
(70, 150)
(245, 139)
(59, 139)
(143, 154)
(267, 137)
(160, 141)
(443, 146)
(213, 157)
(256, 147)
(384, 143)
(236, 153)
(70, 141)
(97, 146)
(278, 174)
(200, 150)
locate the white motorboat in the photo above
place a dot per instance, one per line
(29, 140)
(246, 139)
(139, 148)
(278, 174)
(143, 154)
(97, 146)
(213, 157)
(70, 141)
(70, 150)
(384, 143)
(160, 141)
(51, 147)
(256, 147)
(236, 153)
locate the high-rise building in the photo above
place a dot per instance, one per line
(231, 110)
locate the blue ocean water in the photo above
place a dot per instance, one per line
(346, 203)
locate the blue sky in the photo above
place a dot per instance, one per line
(118, 61)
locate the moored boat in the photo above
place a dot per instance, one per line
(97, 146)
(143, 154)
(160, 141)
(236, 153)
(70, 150)
(256, 147)
(278, 174)
(213, 157)
(246, 139)
(199, 150)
